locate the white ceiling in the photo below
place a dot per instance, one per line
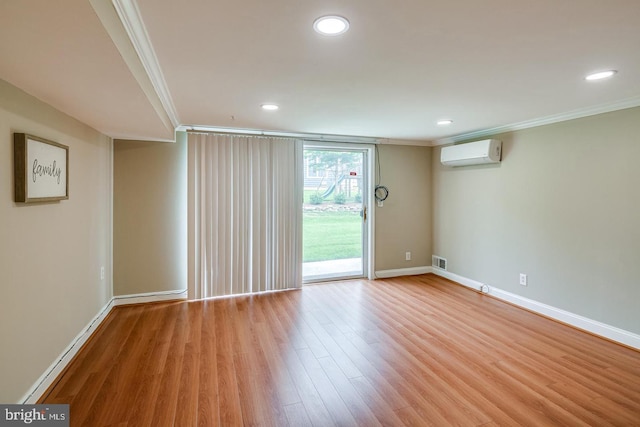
(139, 69)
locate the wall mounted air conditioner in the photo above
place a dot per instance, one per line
(472, 153)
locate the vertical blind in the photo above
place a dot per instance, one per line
(245, 214)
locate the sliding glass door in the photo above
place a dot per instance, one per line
(335, 235)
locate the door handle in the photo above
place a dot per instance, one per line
(364, 214)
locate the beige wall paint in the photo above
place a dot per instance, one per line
(403, 224)
(563, 207)
(150, 223)
(50, 254)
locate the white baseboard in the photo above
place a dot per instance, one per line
(149, 297)
(50, 375)
(469, 283)
(412, 271)
(52, 372)
(248, 294)
(580, 322)
(593, 326)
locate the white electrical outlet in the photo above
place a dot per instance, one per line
(523, 279)
(407, 256)
(101, 273)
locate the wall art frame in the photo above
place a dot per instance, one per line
(41, 169)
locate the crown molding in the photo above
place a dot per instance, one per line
(112, 23)
(547, 120)
(131, 19)
(280, 134)
(303, 135)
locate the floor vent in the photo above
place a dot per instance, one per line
(439, 262)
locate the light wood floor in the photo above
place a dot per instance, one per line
(409, 351)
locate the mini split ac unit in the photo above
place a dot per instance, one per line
(472, 153)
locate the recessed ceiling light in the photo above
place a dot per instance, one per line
(269, 107)
(601, 75)
(331, 25)
(446, 122)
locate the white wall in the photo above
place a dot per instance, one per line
(563, 207)
(50, 254)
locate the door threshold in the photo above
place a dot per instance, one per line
(312, 280)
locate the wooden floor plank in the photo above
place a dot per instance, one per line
(357, 406)
(229, 406)
(327, 391)
(376, 402)
(297, 415)
(208, 397)
(313, 403)
(167, 399)
(409, 351)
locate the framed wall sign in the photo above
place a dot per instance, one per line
(41, 169)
